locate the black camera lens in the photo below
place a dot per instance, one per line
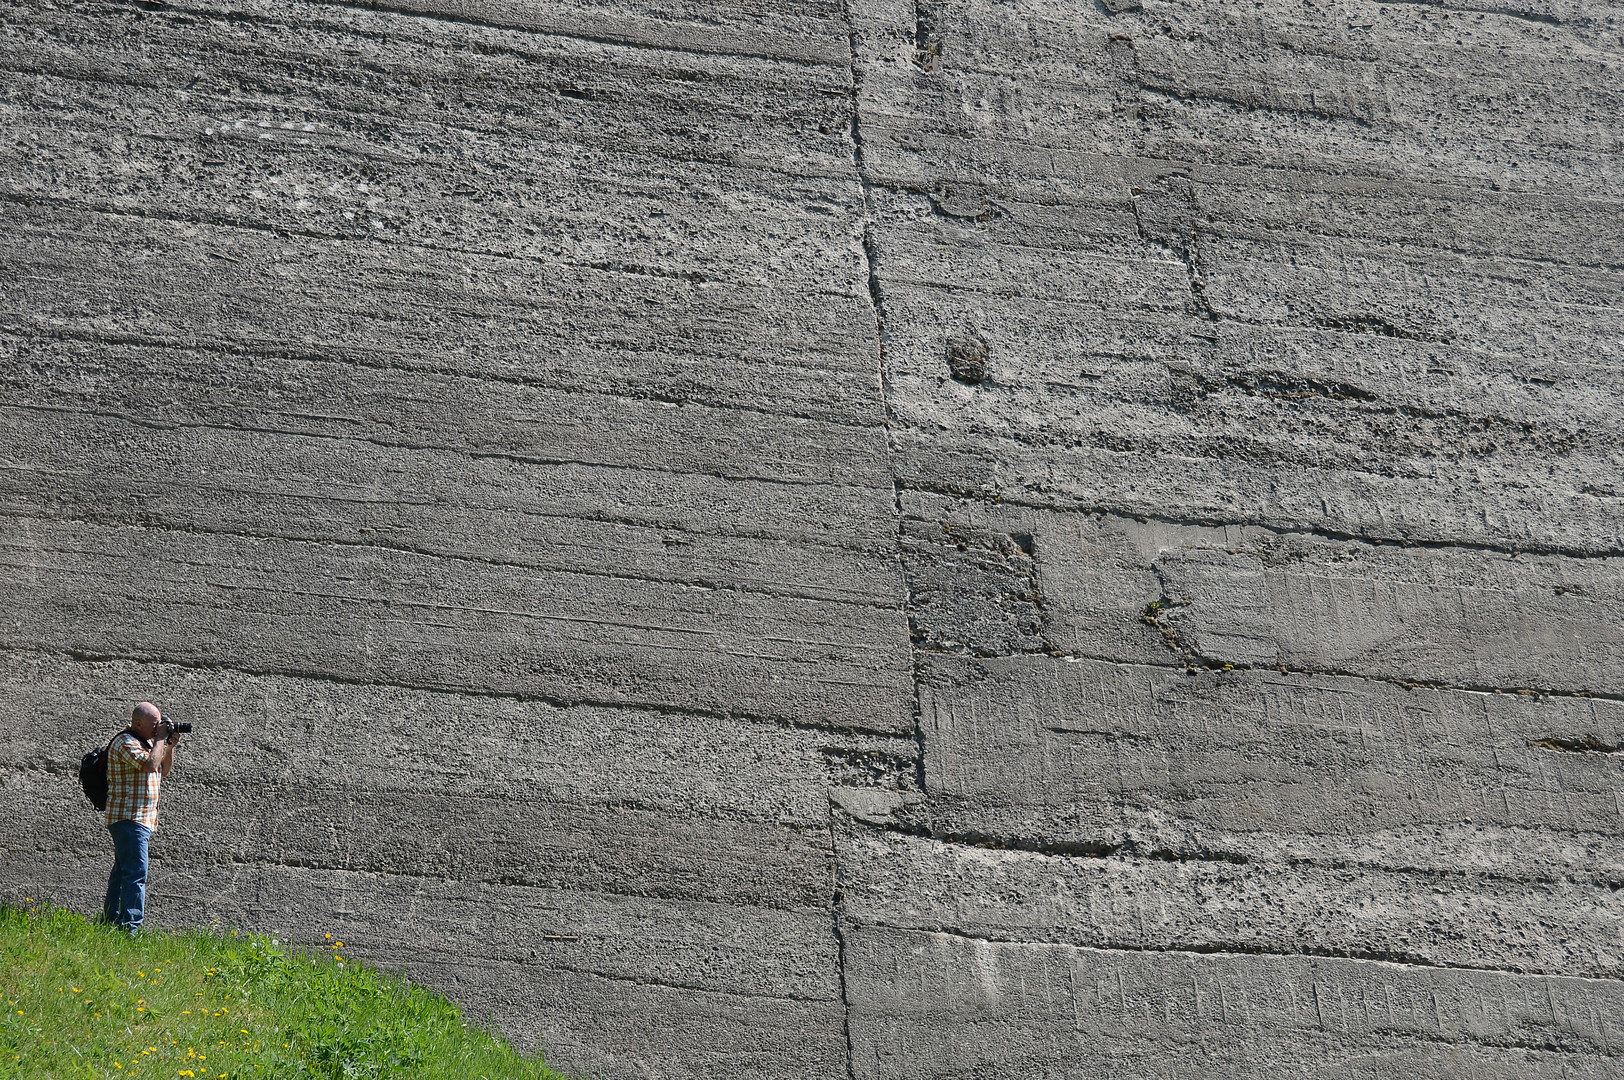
(181, 729)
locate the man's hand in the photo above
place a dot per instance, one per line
(163, 747)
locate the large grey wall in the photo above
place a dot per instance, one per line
(897, 540)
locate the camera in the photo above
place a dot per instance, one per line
(178, 729)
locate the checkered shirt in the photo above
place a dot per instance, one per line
(132, 792)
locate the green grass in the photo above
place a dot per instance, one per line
(83, 1001)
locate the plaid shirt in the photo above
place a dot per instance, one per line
(132, 792)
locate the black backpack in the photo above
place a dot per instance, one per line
(93, 773)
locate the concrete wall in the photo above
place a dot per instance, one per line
(779, 538)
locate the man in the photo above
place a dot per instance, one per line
(137, 762)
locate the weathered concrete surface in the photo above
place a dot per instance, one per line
(869, 539)
(934, 1004)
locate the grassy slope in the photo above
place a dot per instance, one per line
(81, 1001)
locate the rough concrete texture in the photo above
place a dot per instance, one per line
(894, 538)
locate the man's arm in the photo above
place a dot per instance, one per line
(128, 746)
(168, 755)
(163, 751)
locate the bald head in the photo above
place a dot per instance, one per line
(144, 719)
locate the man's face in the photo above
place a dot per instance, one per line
(144, 724)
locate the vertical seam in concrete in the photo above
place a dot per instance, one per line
(876, 303)
(840, 944)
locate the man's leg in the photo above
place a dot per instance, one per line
(130, 842)
(115, 879)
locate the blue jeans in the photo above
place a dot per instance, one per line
(127, 885)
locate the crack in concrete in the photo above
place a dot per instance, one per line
(1587, 744)
(518, 613)
(439, 877)
(402, 444)
(1373, 538)
(282, 232)
(360, 360)
(1205, 663)
(622, 41)
(1130, 850)
(1231, 948)
(584, 701)
(1076, 849)
(450, 16)
(836, 913)
(1231, 229)
(366, 786)
(1465, 9)
(1182, 239)
(1194, 659)
(643, 980)
(877, 302)
(162, 527)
